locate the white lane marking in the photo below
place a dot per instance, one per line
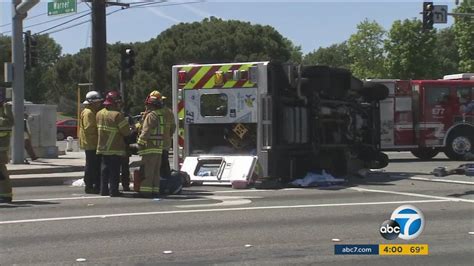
(255, 190)
(94, 197)
(215, 210)
(441, 180)
(411, 194)
(225, 201)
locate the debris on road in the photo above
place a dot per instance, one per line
(463, 169)
(335, 240)
(81, 260)
(167, 252)
(78, 183)
(313, 179)
(248, 246)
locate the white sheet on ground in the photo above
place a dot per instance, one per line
(313, 179)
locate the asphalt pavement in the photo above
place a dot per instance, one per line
(59, 225)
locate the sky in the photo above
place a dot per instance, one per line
(309, 24)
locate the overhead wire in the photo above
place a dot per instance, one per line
(142, 5)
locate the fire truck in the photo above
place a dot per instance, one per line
(237, 121)
(428, 116)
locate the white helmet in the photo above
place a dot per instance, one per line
(93, 96)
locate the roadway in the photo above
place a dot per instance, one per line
(218, 225)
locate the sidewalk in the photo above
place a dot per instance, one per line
(49, 172)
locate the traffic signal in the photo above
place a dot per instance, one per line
(27, 49)
(428, 15)
(31, 51)
(127, 63)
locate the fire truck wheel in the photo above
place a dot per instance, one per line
(425, 153)
(459, 144)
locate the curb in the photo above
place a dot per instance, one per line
(44, 170)
(42, 180)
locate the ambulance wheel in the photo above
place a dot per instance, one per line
(459, 144)
(380, 161)
(425, 153)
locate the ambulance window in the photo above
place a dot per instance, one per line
(214, 105)
(436, 95)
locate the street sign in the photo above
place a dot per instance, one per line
(440, 14)
(58, 7)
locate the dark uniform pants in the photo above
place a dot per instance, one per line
(92, 170)
(5, 185)
(110, 174)
(125, 171)
(165, 164)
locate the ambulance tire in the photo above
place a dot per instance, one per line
(457, 143)
(425, 153)
(381, 160)
(373, 91)
(330, 82)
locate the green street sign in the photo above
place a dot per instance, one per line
(58, 7)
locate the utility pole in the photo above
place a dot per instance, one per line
(99, 46)
(19, 10)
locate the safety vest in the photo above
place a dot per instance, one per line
(151, 136)
(88, 135)
(112, 127)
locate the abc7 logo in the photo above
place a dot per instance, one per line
(407, 222)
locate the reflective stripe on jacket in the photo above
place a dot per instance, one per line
(88, 135)
(112, 127)
(170, 128)
(151, 136)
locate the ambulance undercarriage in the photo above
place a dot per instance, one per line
(242, 120)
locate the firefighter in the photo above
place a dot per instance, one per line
(6, 123)
(112, 128)
(150, 145)
(168, 131)
(88, 137)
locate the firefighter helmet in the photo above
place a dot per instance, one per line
(92, 97)
(157, 94)
(154, 98)
(112, 97)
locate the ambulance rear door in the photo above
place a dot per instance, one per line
(220, 169)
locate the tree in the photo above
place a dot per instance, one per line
(410, 51)
(210, 41)
(48, 53)
(464, 36)
(5, 53)
(335, 55)
(446, 52)
(366, 50)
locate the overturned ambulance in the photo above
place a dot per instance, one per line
(242, 120)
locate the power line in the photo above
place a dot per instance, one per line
(59, 25)
(148, 4)
(75, 25)
(28, 18)
(49, 21)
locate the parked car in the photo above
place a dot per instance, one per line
(66, 128)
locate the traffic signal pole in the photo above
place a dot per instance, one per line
(18, 84)
(19, 12)
(99, 46)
